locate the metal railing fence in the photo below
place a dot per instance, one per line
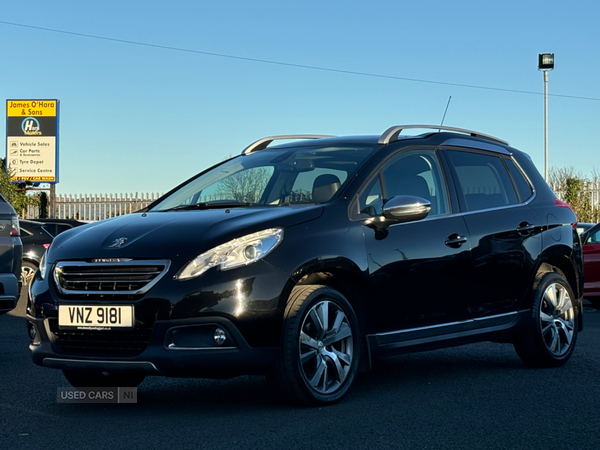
(95, 207)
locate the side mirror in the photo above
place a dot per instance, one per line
(406, 208)
(399, 209)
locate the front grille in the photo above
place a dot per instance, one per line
(106, 342)
(114, 278)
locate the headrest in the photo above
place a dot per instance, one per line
(324, 187)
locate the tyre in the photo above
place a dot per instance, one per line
(551, 337)
(27, 272)
(320, 346)
(82, 378)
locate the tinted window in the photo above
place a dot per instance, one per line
(371, 201)
(243, 186)
(274, 176)
(33, 229)
(483, 180)
(593, 237)
(523, 187)
(415, 173)
(54, 229)
(305, 182)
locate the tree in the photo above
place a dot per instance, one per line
(13, 194)
(244, 186)
(558, 176)
(43, 206)
(576, 190)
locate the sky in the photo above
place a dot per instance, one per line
(153, 92)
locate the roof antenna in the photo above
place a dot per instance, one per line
(445, 111)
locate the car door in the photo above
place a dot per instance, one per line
(504, 230)
(591, 261)
(417, 270)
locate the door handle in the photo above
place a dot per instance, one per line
(525, 228)
(455, 240)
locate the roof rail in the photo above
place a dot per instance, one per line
(263, 143)
(391, 134)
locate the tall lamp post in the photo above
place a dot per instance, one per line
(546, 64)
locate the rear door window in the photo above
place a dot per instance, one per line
(483, 181)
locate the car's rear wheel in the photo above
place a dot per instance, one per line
(551, 337)
(319, 348)
(82, 378)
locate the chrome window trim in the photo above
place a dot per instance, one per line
(519, 168)
(514, 205)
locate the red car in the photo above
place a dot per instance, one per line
(591, 264)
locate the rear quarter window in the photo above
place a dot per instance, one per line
(522, 185)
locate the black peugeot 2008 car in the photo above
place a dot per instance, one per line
(306, 260)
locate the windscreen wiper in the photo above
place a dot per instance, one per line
(209, 205)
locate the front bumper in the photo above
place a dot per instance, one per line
(174, 325)
(175, 348)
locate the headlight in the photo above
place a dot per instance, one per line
(43, 266)
(235, 253)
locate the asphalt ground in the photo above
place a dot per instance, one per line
(478, 396)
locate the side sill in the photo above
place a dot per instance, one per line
(447, 335)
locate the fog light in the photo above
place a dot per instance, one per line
(219, 336)
(32, 331)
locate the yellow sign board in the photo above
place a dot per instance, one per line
(31, 108)
(32, 140)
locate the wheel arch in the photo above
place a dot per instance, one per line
(35, 262)
(563, 265)
(344, 276)
(339, 273)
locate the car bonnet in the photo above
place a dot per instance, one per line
(176, 235)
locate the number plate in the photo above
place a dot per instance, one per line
(95, 317)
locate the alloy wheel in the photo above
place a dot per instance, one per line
(326, 347)
(557, 319)
(27, 273)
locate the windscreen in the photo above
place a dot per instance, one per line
(273, 176)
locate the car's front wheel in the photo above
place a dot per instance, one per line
(27, 272)
(320, 347)
(551, 337)
(82, 378)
